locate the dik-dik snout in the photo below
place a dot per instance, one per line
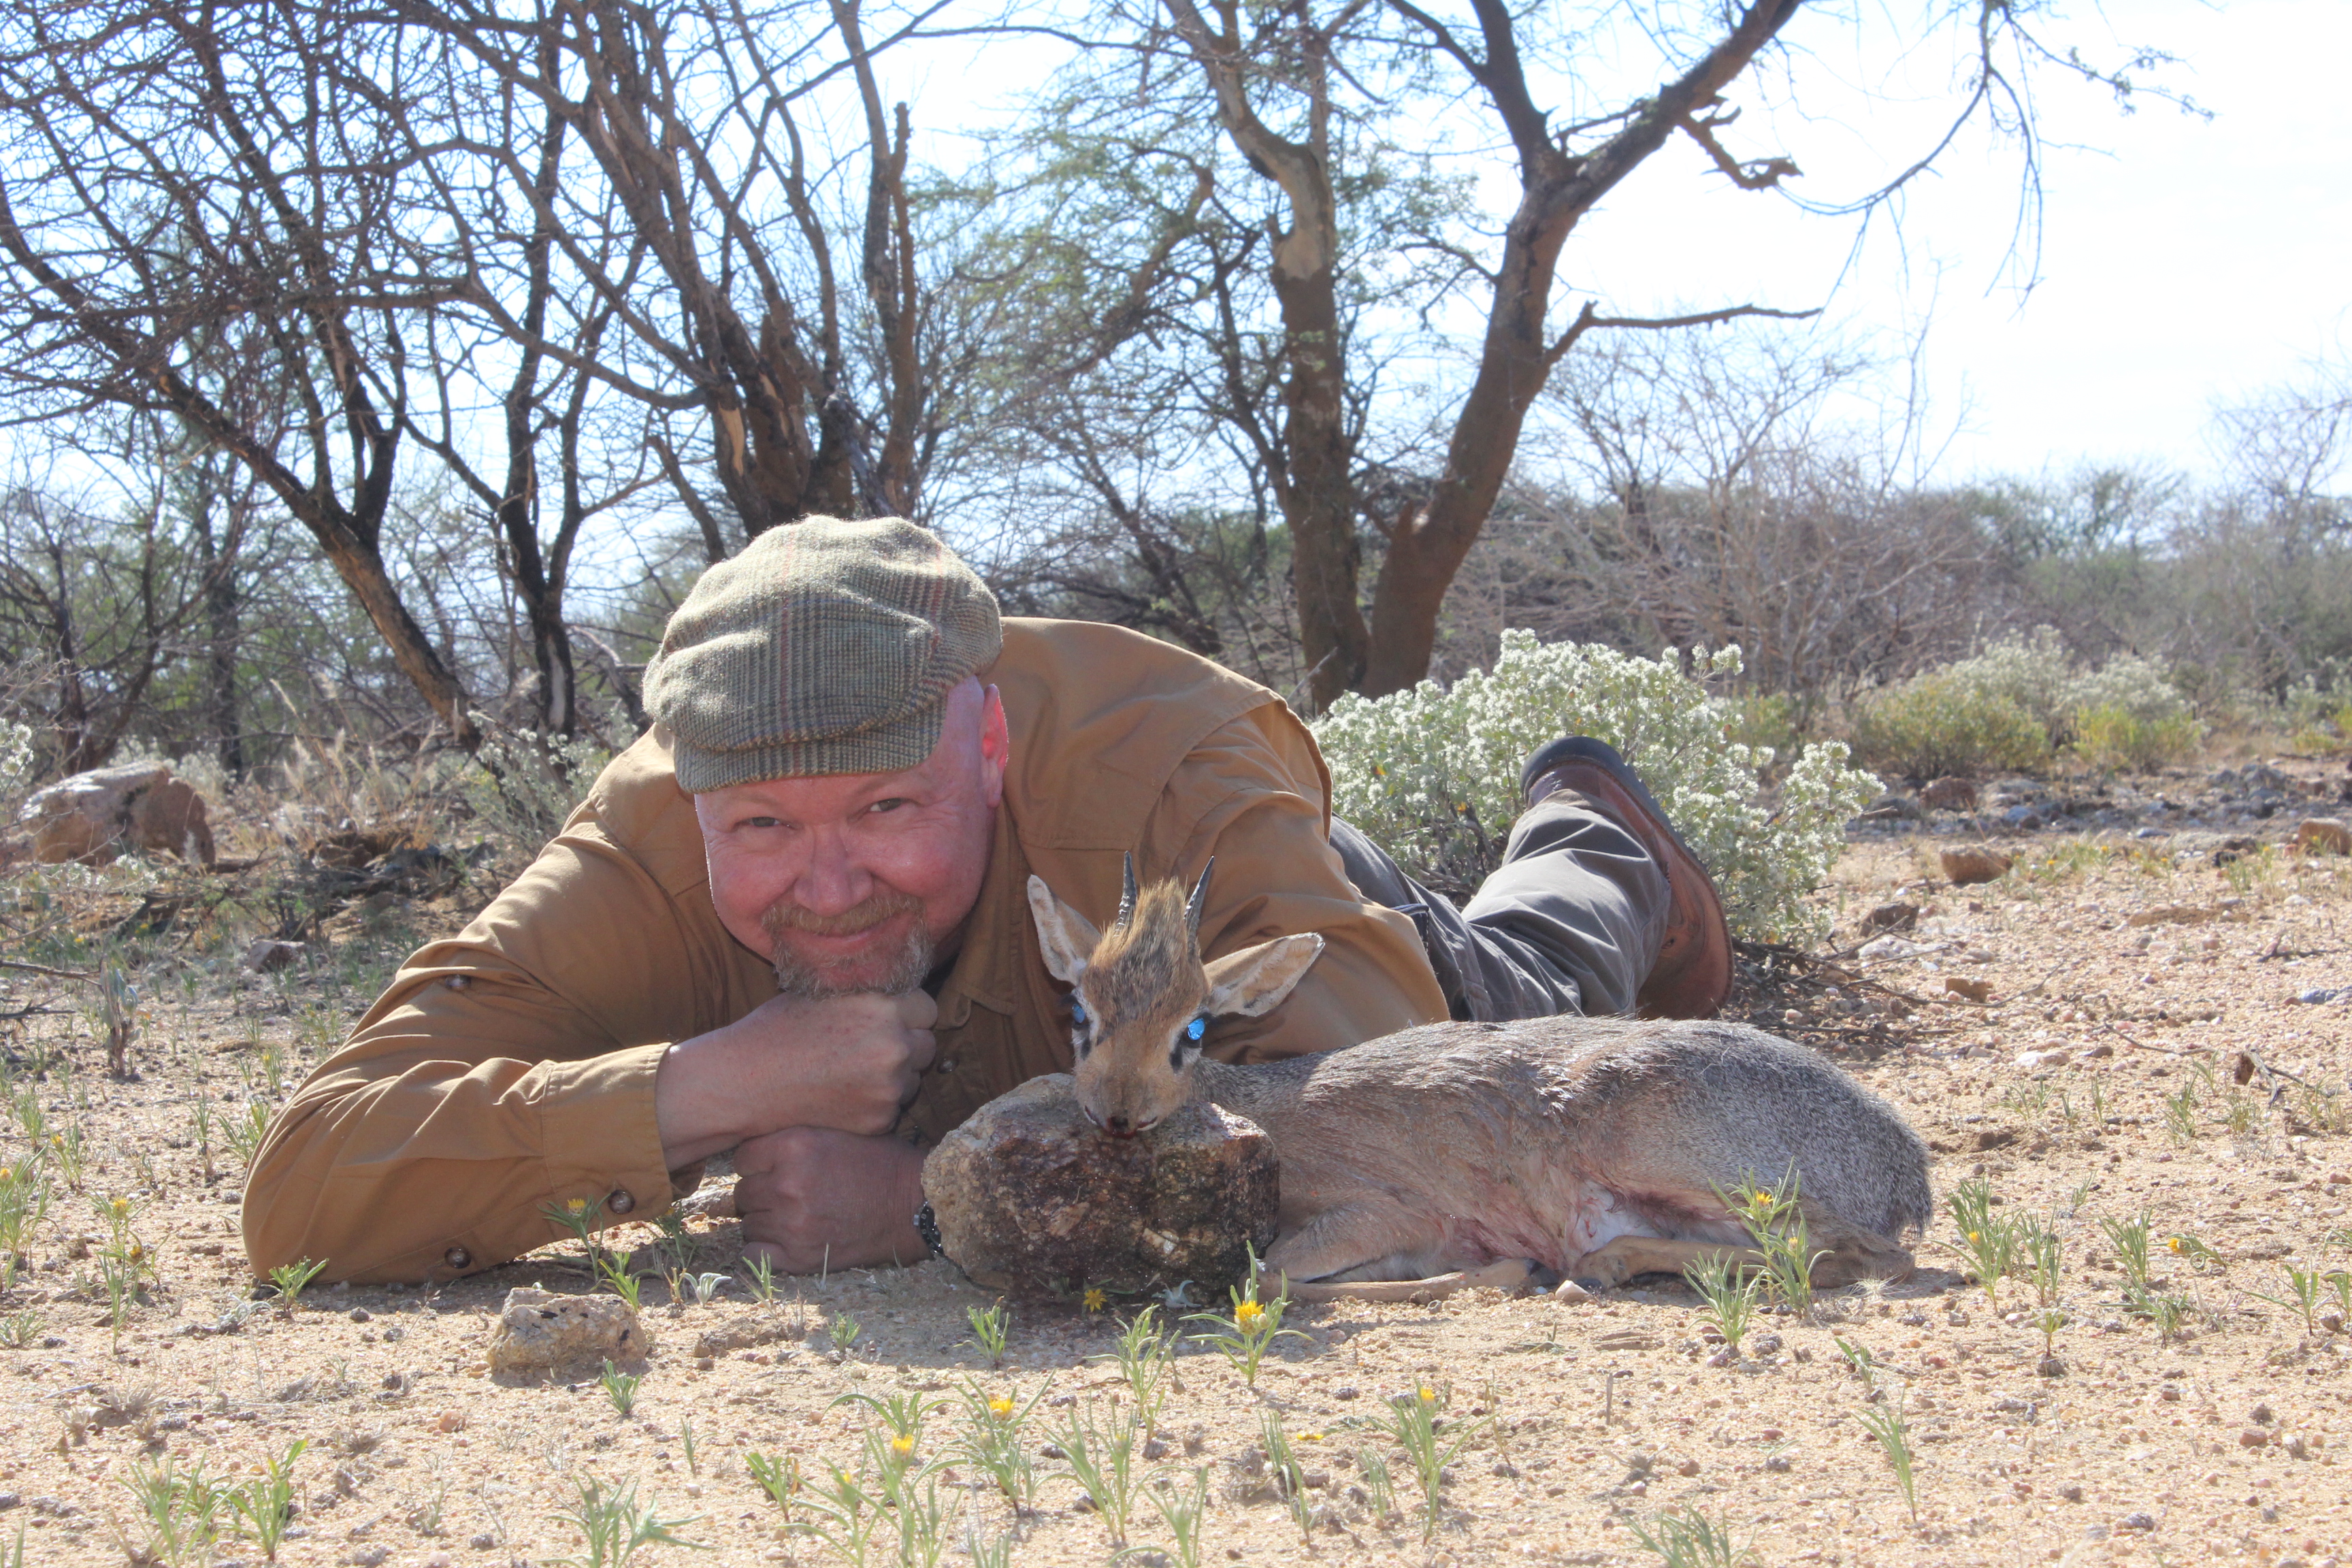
(1142, 998)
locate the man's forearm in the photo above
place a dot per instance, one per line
(697, 1099)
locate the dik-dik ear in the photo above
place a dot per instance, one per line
(1067, 936)
(1254, 980)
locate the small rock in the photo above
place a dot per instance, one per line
(1973, 990)
(2049, 1366)
(2297, 1444)
(538, 1330)
(2323, 835)
(1965, 866)
(1890, 918)
(9, 1500)
(2136, 1521)
(2094, 1053)
(1570, 1291)
(2021, 819)
(1032, 1197)
(2319, 996)
(1892, 807)
(1687, 1467)
(361, 1315)
(482, 1542)
(450, 1421)
(2253, 1438)
(268, 955)
(2169, 914)
(1346, 1391)
(1778, 1463)
(1889, 948)
(2072, 1493)
(2261, 1416)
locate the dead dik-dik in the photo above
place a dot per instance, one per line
(1597, 1148)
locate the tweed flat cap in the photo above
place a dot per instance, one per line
(823, 646)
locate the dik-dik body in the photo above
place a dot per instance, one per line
(1597, 1148)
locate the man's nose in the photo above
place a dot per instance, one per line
(832, 882)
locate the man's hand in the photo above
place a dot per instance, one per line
(813, 1198)
(848, 1063)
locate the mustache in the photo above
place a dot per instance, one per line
(881, 905)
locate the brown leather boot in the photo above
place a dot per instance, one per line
(1692, 974)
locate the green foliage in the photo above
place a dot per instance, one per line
(621, 1388)
(1886, 1424)
(1936, 723)
(615, 1526)
(290, 1279)
(2112, 737)
(2003, 710)
(1690, 1540)
(1729, 1293)
(1432, 774)
(265, 1503)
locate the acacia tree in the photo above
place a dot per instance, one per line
(1317, 104)
(188, 208)
(705, 221)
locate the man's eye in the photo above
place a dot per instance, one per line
(763, 822)
(893, 804)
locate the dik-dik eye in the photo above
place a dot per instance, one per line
(1078, 1011)
(1195, 1029)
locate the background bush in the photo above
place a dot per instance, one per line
(1941, 723)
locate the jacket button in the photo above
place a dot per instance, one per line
(620, 1202)
(457, 1257)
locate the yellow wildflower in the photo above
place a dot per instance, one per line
(122, 1206)
(1001, 1407)
(7, 1173)
(1428, 1394)
(1247, 1316)
(2175, 1244)
(903, 1445)
(1310, 1437)
(1095, 1298)
(577, 1206)
(1976, 1236)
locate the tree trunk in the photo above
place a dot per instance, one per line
(1556, 189)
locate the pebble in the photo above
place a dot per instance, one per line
(2136, 1521)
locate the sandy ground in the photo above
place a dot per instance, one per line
(2097, 1082)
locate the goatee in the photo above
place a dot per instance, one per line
(797, 977)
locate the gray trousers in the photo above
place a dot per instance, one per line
(1570, 923)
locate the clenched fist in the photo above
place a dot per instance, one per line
(847, 1062)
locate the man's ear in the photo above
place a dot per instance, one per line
(1067, 936)
(1254, 980)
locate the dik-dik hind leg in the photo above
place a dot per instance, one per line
(1510, 1275)
(1627, 1256)
(1356, 1241)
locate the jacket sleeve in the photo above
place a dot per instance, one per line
(1254, 794)
(506, 1068)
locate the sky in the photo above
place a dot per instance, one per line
(2184, 260)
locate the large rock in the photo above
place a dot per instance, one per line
(1034, 1199)
(93, 818)
(540, 1330)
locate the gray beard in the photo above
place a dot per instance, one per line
(810, 984)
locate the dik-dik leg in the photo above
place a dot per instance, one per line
(1369, 1240)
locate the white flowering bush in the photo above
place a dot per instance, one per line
(1432, 774)
(15, 760)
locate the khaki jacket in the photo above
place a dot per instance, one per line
(513, 1065)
